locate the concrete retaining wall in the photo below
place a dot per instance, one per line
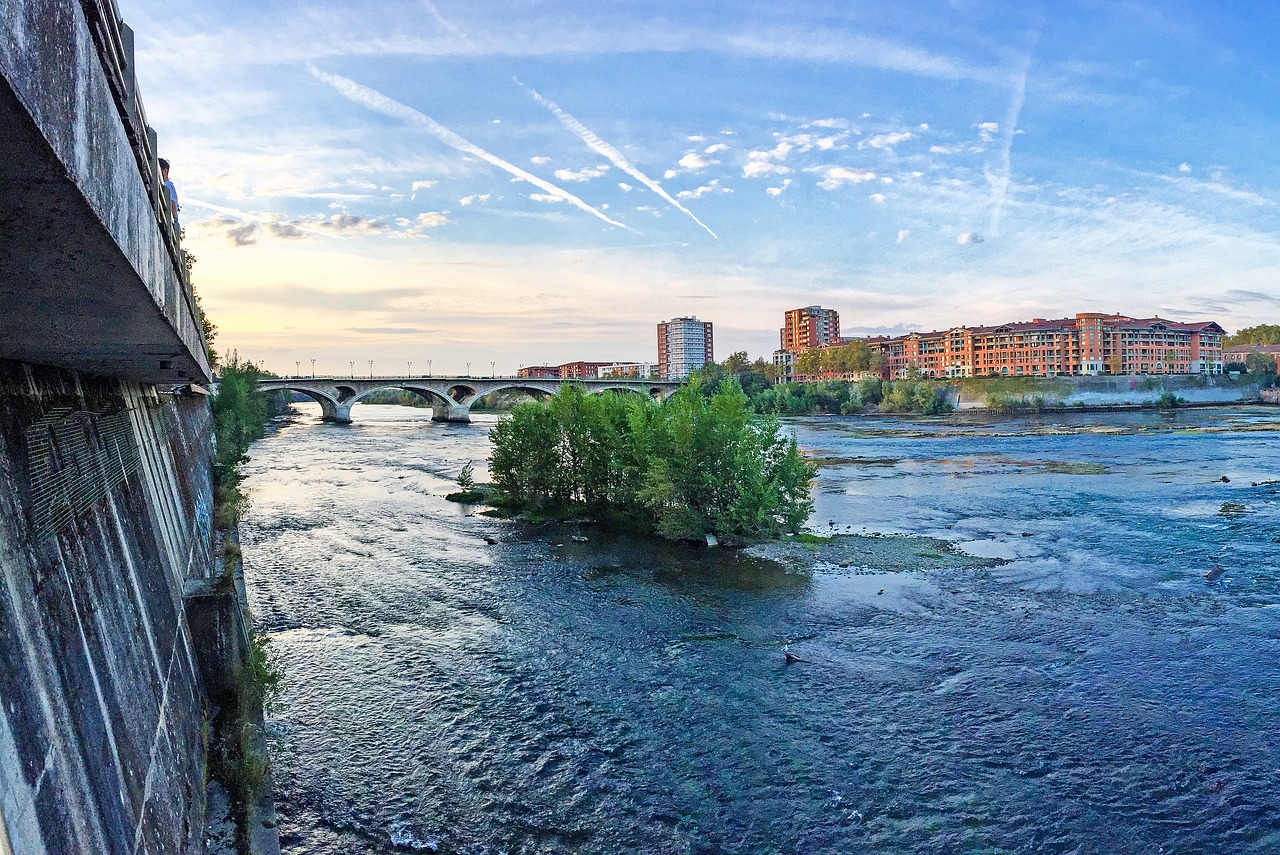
(1104, 391)
(105, 510)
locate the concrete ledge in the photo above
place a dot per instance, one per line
(87, 279)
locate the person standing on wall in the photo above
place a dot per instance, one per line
(173, 196)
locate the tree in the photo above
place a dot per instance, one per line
(1261, 334)
(738, 361)
(809, 363)
(1257, 362)
(688, 466)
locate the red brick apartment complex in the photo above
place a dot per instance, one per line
(568, 371)
(812, 326)
(1089, 343)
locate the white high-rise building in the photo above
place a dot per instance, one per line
(684, 346)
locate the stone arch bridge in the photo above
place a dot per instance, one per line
(451, 397)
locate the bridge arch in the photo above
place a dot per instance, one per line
(331, 409)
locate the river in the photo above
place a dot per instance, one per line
(456, 683)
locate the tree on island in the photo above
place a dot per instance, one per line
(679, 469)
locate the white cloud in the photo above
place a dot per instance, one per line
(829, 123)
(669, 174)
(625, 187)
(924, 126)
(715, 148)
(878, 198)
(422, 185)
(539, 159)
(967, 238)
(886, 141)
(712, 186)
(761, 168)
(586, 173)
(767, 161)
(1184, 167)
(945, 149)
(546, 197)
(777, 191)
(697, 138)
(988, 130)
(473, 199)
(694, 161)
(903, 234)
(837, 176)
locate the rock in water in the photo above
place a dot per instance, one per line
(711, 540)
(1214, 573)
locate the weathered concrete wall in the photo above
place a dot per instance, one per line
(105, 509)
(1104, 391)
(87, 278)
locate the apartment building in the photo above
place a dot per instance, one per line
(684, 346)
(811, 326)
(569, 371)
(641, 370)
(1089, 343)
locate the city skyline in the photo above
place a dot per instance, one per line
(467, 182)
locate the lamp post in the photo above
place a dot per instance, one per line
(468, 369)
(352, 363)
(297, 368)
(370, 369)
(410, 364)
(428, 367)
(491, 369)
(313, 369)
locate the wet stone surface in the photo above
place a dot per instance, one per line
(1014, 647)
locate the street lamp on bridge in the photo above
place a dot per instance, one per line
(410, 364)
(491, 369)
(352, 363)
(313, 369)
(428, 367)
(370, 369)
(297, 368)
(468, 369)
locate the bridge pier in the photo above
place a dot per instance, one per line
(334, 412)
(448, 411)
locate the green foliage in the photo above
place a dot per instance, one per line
(1169, 401)
(914, 396)
(1257, 362)
(240, 415)
(851, 358)
(691, 465)
(1261, 334)
(466, 478)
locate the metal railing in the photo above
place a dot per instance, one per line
(115, 43)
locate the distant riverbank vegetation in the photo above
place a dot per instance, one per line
(692, 465)
(833, 396)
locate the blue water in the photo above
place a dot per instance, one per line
(1087, 691)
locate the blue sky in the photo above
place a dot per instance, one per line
(535, 181)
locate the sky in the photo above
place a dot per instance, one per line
(541, 181)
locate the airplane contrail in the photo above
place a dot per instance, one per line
(374, 100)
(1000, 183)
(603, 148)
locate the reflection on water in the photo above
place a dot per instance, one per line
(1093, 693)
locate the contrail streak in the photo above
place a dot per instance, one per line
(1000, 183)
(603, 148)
(374, 100)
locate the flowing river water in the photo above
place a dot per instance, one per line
(1031, 659)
